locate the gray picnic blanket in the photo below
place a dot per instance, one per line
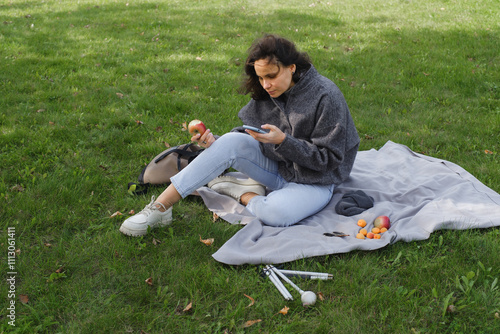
(420, 194)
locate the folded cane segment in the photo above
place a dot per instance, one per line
(277, 283)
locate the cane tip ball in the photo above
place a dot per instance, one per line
(308, 298)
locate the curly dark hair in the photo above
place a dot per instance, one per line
(277, 50)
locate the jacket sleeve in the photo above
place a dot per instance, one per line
(325, 148)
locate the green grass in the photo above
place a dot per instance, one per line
(76, 78)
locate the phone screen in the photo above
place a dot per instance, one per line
(252, 128)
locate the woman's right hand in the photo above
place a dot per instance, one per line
(205, 140)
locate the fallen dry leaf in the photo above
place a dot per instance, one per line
(208, 241)
(167, 145)
(188, 307)
(40, 110)
(23, 298)
(149, 281)
(215, 217)
(17, 187)
(131, 212)
(488, 152)
(184, 126)
(284, 310)
(321, 296)
(156, 241)
(252, 301)
(139, 122)
(117, 213)
(251, 323)
(46, 244)
(120, 95)
(60, 270)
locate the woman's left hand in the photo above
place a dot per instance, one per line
(274, 136)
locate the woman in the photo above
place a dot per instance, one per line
(310, 146)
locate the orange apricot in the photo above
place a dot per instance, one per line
(361, 223)
(370, 235)
(377, 236)
(383, 229)
(363, 231)
(360, 236)
(376, 230)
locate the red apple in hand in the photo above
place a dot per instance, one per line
(382, 221)
(196, 126)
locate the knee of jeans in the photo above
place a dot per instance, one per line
(234, 139)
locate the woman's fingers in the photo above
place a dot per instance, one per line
(274, 136)
(204, 140)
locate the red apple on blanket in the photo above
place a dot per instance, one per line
(381, 222)
(196, 126)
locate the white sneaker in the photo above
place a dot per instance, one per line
(235, 187)
(150, 216)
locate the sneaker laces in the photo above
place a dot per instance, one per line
(152, 206)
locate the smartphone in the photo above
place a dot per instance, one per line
(252, 128)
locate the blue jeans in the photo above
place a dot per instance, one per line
(287, 204)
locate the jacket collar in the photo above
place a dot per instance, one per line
(304, 82)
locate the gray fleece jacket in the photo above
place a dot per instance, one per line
(321, 139)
